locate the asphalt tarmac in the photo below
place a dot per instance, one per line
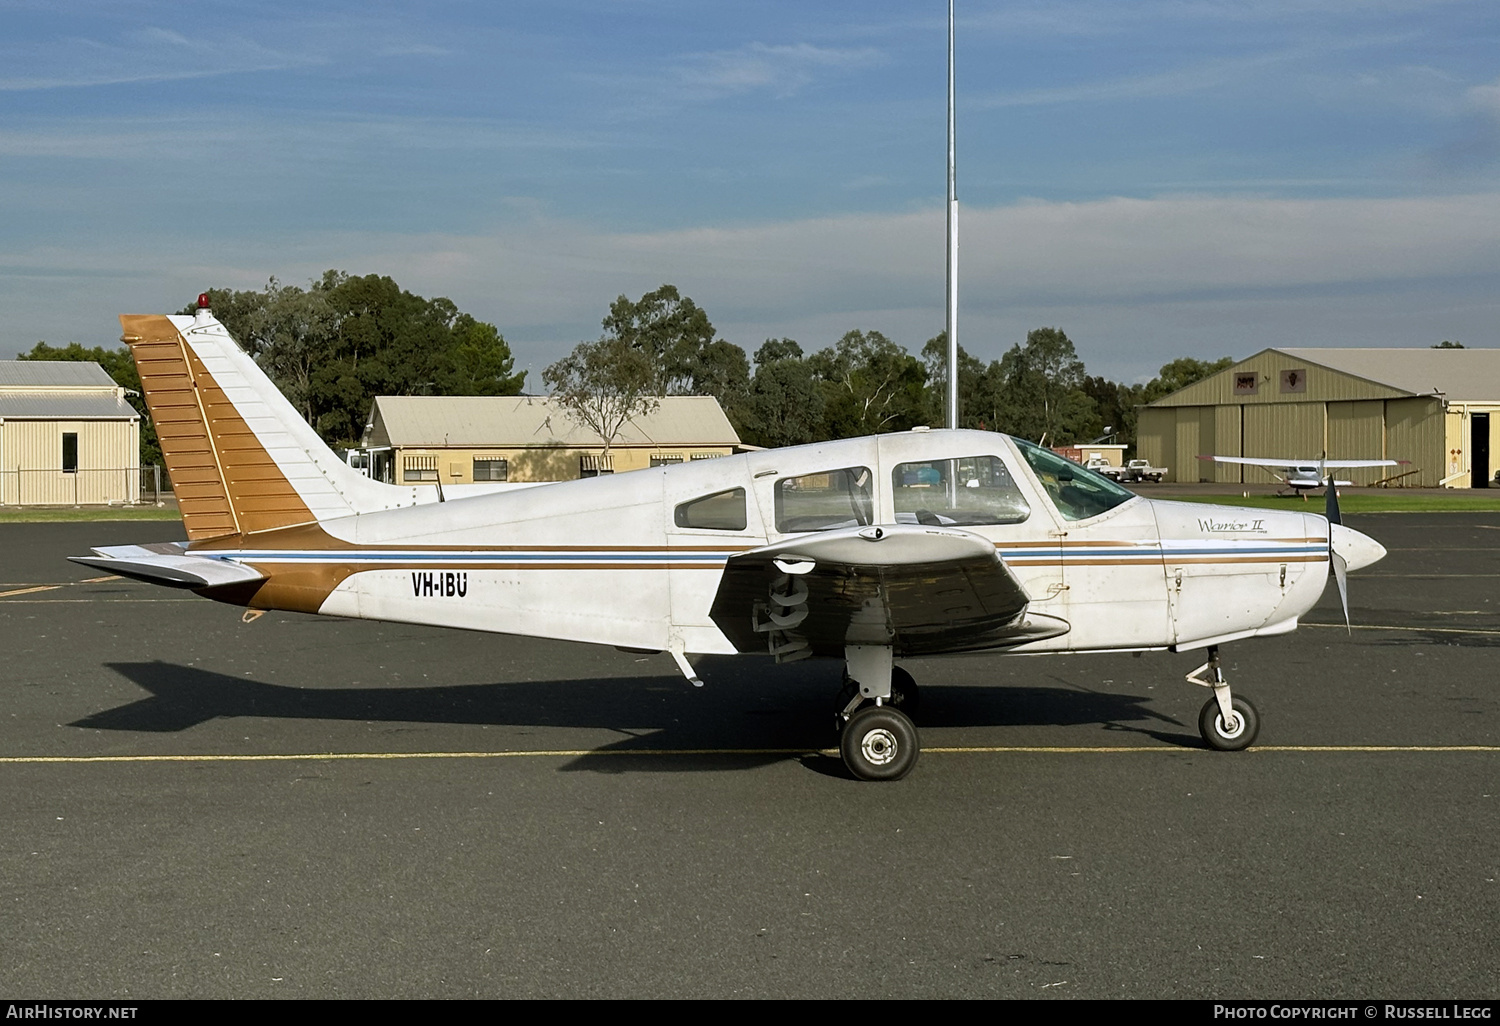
(307, 807)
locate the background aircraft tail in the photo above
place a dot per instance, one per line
(241, 459)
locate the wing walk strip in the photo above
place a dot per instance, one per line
(578, 753)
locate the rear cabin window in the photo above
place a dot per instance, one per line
(965, 492)
(826, 501)
(1077, 492)
(723, 511)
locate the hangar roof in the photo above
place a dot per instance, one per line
(528, 421)
(1460, 375)
(53, 374)
(52, 405)
(1463, 375)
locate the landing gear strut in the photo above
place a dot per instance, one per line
(1227, 723)
(879, 741)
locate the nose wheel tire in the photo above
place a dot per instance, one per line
(879, 743)
(1229, 737)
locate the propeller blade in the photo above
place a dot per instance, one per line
(1332, 510)
(1341, 574)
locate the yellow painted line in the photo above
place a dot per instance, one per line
(1381, 627)
(578, 753)
(97, 580)
(28, 591)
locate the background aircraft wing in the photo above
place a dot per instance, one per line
(918, 589)
(1293, 464)
(1257, 462)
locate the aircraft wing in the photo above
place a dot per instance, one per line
(1293, 464)
(170, 564)
(918, 589)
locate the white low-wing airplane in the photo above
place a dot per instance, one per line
(863, 549)
(1302, 476)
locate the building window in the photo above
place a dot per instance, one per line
(491, 469)
(665, 459)
(70, 452)
(724, 511)
(419, 468)
(593, 466)
(707, 455)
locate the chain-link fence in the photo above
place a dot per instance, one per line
(121, 486)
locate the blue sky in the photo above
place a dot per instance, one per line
(1157, 178)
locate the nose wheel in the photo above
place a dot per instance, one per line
(1227, 722)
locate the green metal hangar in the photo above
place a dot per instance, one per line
(1431, 407)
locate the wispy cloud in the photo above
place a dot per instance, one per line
(780, 70)
(1136, 282)
(150, 54)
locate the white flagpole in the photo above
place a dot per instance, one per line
(952, 246)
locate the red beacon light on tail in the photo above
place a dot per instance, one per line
(203, 301)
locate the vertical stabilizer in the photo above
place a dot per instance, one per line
(240, 457)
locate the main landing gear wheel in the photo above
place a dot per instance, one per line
(879, 743)
(1231, 737)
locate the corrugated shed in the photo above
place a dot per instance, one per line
(53, 374)
(527, 421)
(50, 405)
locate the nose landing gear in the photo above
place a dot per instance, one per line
(1228, 723)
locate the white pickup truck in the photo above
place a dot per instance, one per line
(1142, 470)
(1108, 469)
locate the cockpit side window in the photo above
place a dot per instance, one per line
(966, 492)
(825, 501)
(1077, 492)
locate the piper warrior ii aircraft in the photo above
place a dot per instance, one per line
(864, 549)
(1302, 476)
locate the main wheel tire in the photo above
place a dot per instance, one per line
(879, 743)
(1226, 739)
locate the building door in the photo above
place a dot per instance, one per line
(1479, 449)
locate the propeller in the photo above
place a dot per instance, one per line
(1336, 562)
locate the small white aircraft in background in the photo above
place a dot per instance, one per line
(1302, 476)
(863, 549)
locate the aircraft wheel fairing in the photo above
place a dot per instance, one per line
(1211, 725)
(879, 743)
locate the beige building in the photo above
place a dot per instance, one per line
(1430, 407)
(466, 439)
(67, 436)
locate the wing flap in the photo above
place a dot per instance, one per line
(918, 589)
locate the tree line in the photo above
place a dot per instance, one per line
(336, 344)
(865, 383)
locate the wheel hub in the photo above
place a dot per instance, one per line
(1234, 728)
(879, 747)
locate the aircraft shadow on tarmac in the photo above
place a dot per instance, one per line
(792, 712)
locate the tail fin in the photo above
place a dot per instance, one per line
(240, 457)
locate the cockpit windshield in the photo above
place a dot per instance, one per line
(1077, 492)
